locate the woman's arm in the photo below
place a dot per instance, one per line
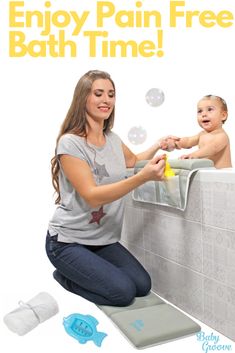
(131, 158)
(149, 153)
(79, 174)
(163, 143)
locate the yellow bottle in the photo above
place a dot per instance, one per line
(168, 172)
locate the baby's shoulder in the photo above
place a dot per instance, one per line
(221, 133)
(218, 135)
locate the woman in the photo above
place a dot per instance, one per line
(89, 176)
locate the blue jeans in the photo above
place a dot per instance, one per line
(104, 275)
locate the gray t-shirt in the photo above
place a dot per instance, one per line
(74, 220)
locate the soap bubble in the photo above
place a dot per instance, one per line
(155, 97)
(137, 135)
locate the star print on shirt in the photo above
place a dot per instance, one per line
(101, 171)
(97, 215)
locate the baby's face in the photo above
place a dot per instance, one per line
(210, 114)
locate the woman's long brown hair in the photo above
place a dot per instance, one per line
(75, 120)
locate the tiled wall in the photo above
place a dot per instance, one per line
(191, 255)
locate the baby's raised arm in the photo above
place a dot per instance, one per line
(187, 142)
(211, 147)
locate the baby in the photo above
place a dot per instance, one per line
(213, 142)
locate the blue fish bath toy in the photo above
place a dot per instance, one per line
(83, 328)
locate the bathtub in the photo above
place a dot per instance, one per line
(190, 254)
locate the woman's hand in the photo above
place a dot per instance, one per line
(169, 143)
(154, 169)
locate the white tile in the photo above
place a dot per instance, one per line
(219, 304)
(177, 284)
(175, 239)
(218, 257)
(132, 230)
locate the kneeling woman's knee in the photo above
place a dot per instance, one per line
(125, 294)
(144, 285)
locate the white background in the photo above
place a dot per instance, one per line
(35, 94)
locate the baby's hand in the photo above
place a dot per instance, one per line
(186, 156)
(163, 144)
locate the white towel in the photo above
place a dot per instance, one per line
(30, 314)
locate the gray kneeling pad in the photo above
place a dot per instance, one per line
(150, 321)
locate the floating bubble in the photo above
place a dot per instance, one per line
(137, 135)
(155, 97)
